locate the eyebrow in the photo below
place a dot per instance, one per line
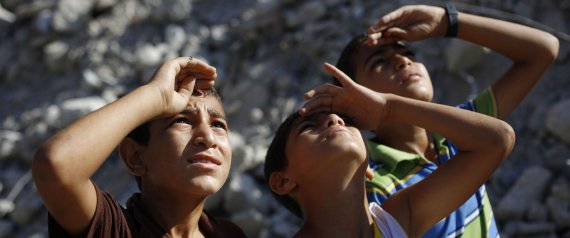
(301, 120)
(398, 47)
(211, 111)
(380, 51)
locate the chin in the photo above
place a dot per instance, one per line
(206, 185)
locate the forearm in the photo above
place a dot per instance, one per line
(77, 151)
(468, 130)
(483, 142)
(519, 43)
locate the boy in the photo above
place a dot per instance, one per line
(179, 152)
(402, 154)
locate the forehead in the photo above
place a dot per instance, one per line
(365, 51)
(208, 104)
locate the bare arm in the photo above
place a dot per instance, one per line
(63, 165)
(484, 143)
(531, 50)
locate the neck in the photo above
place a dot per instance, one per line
(408, 138)
(178, 215)
(336, 211)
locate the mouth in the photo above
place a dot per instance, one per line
(410, 77)
(205, 159)
(334, 131)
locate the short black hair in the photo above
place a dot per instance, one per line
(141, 134)
(276, 160)
(345, 62)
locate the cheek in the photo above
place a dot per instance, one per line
(225, 147)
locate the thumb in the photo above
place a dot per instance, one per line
(187, 87)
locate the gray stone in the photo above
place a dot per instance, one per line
(244, 193)
(455, 55)
(558, 120)
(175, 36)
(537, 212)
(6, 15)
(8, 141)
(6, 227)
(529, 188)
(71, 15)
(306, 13)
(26, 207)
(559, 203)
(6, 207)
(73, 108)
(151, 55)
(56, 56)
(251, 221)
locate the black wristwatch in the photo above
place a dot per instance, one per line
(453, 23)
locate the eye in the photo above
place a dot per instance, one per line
(181, 120)
(378, 62)
(219, 124)
(305, 126)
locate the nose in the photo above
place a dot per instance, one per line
(334, 119)
(402, 62)
(203, 136)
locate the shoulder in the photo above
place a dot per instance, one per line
(108, 220)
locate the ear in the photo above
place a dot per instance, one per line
(280, 183)
(130, 153)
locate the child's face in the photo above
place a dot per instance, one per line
(323, 145)
(190, 151)
(392, 69)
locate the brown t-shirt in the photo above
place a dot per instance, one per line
(111, 220)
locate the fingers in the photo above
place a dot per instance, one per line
(195, 65)
(369, 173)
(386, 21)
(328, 89)
(318, 104)
(381, 38)
(344, 80)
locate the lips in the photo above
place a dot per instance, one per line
(332, 131)
(204, 159)
(410, 76)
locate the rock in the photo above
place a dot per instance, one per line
(175, 36)
(244, 193)
(251, 221)
(306, 13)
(73, 108)
(8, 141)
(558, 120)
(6, 15)
(537, 212)
(529, 188)
(535, 229)
(56, 56)
(455, 55)
(26, 207)
(559, 203)
(71, 15)
(6, 227)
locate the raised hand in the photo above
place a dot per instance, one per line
(177, 78)
(363, 106)
(409, 23)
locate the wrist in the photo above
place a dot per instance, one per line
(452, 20)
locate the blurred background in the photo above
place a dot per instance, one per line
(62, 59)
